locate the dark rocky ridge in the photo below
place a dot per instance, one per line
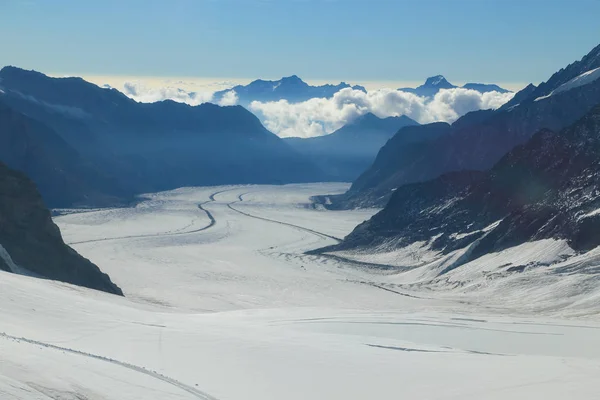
(588, 62)
(34, 242)
(402, 219)
(61, 174)
(477, 140)
(520, 96)
(546, 188)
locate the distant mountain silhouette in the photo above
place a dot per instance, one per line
(30, 243)
(431, 86)
(479, 139)
(292, 89)
(150, 147)
(344, 154)
(484, 87)
(295, 90)
(436, 83)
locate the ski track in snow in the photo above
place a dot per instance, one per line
(193, 391)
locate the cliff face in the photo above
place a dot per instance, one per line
(31, 242)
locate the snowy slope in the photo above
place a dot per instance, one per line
(237, 311)
(580, 80)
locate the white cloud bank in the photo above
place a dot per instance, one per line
(317, 117)
(147, 94)
(230, 98)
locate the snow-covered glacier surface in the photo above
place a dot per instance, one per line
(222, 303)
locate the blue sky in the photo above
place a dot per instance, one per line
(352, 40)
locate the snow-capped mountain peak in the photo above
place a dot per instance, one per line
(437, 80)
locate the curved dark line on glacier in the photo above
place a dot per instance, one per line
(241, 199)
(212, 222)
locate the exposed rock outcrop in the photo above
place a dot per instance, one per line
(33, 242)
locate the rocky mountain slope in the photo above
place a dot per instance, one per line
(59, 171)
(152, 147)
(344, 154)
(31, 244)
(478, 140)
(291, 88)
(544, 189)
(519, 97)
(589, 62)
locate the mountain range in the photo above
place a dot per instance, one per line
(102, 146)
(541, 194)
(291, 88)
(344, 154)
(436, 83)
(295, 90)
(546, 188)
(492, 180)
(479, 139)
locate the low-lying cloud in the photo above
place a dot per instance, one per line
(320, 116)
(147, 94)
(230, 98)
(316, 117)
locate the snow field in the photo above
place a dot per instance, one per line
(238, 311)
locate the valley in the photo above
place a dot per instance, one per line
(299, 200)
(222, 302)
